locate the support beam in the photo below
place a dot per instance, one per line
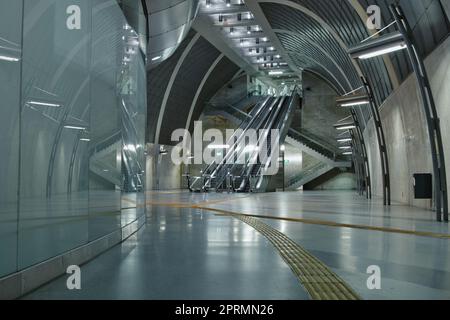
(433, 122)
(357, 132)
(381, 143)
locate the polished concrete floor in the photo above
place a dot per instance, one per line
(187, 252)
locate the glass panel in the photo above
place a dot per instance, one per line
(10, 44)
(105, 178)
(72, 126)
(55, 91)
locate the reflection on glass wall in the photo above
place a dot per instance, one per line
(72, 126)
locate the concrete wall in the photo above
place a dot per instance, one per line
(161, 172)
(319, 108)
(293, 159)
(406, 132)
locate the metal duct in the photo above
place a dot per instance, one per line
(169, 22)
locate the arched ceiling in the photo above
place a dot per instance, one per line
(317, 33)
(314, 35)
(179, 87)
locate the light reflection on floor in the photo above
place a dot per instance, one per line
(189, 253)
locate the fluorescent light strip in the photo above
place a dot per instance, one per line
(346, 127)
(382, 52)
(75, 128)
(347, 153)
(45, 104)
(356, 103)
(156, 58)
(345, 148)
(9, 59)
(345, 140)
(85, 139)
(218, 146)
(274, 73)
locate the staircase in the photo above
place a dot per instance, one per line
(102, 158)
(307, 175)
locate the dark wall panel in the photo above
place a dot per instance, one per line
(157, 81)
(188, 80)
(221, 75)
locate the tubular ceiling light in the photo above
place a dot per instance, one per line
(344, 140)
(352, 101)
(378, 46)
(275, 73)
(85, 139)
(218, 146)
(347, 153)
(74, 127)
(44, 104)
(345, 126)
(9, 59)
(345, 148)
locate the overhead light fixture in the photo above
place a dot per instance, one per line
(283, 148)
(343, 140)
(275, 73)
(352, 101)
(156, 58)
(345, 147)
(218, 146)
(228, 2)
(345, 126)
(9, 59)
(208, 3)
(85, 139)
(378, 46)
(249, 30)
(347, 153)
(74, 127)
(44, 104)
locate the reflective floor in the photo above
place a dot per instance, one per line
(193, 253)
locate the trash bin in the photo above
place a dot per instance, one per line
(423, 186)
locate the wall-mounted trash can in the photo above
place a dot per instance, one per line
(423, 186)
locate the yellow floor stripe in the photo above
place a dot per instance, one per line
(308, 221)
(339, 225)
(318, 280)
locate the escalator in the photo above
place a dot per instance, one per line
(246, 167)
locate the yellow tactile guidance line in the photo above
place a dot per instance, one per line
(319, 281)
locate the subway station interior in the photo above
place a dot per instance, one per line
(224, 149)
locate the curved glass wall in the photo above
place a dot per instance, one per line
(72, 127)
